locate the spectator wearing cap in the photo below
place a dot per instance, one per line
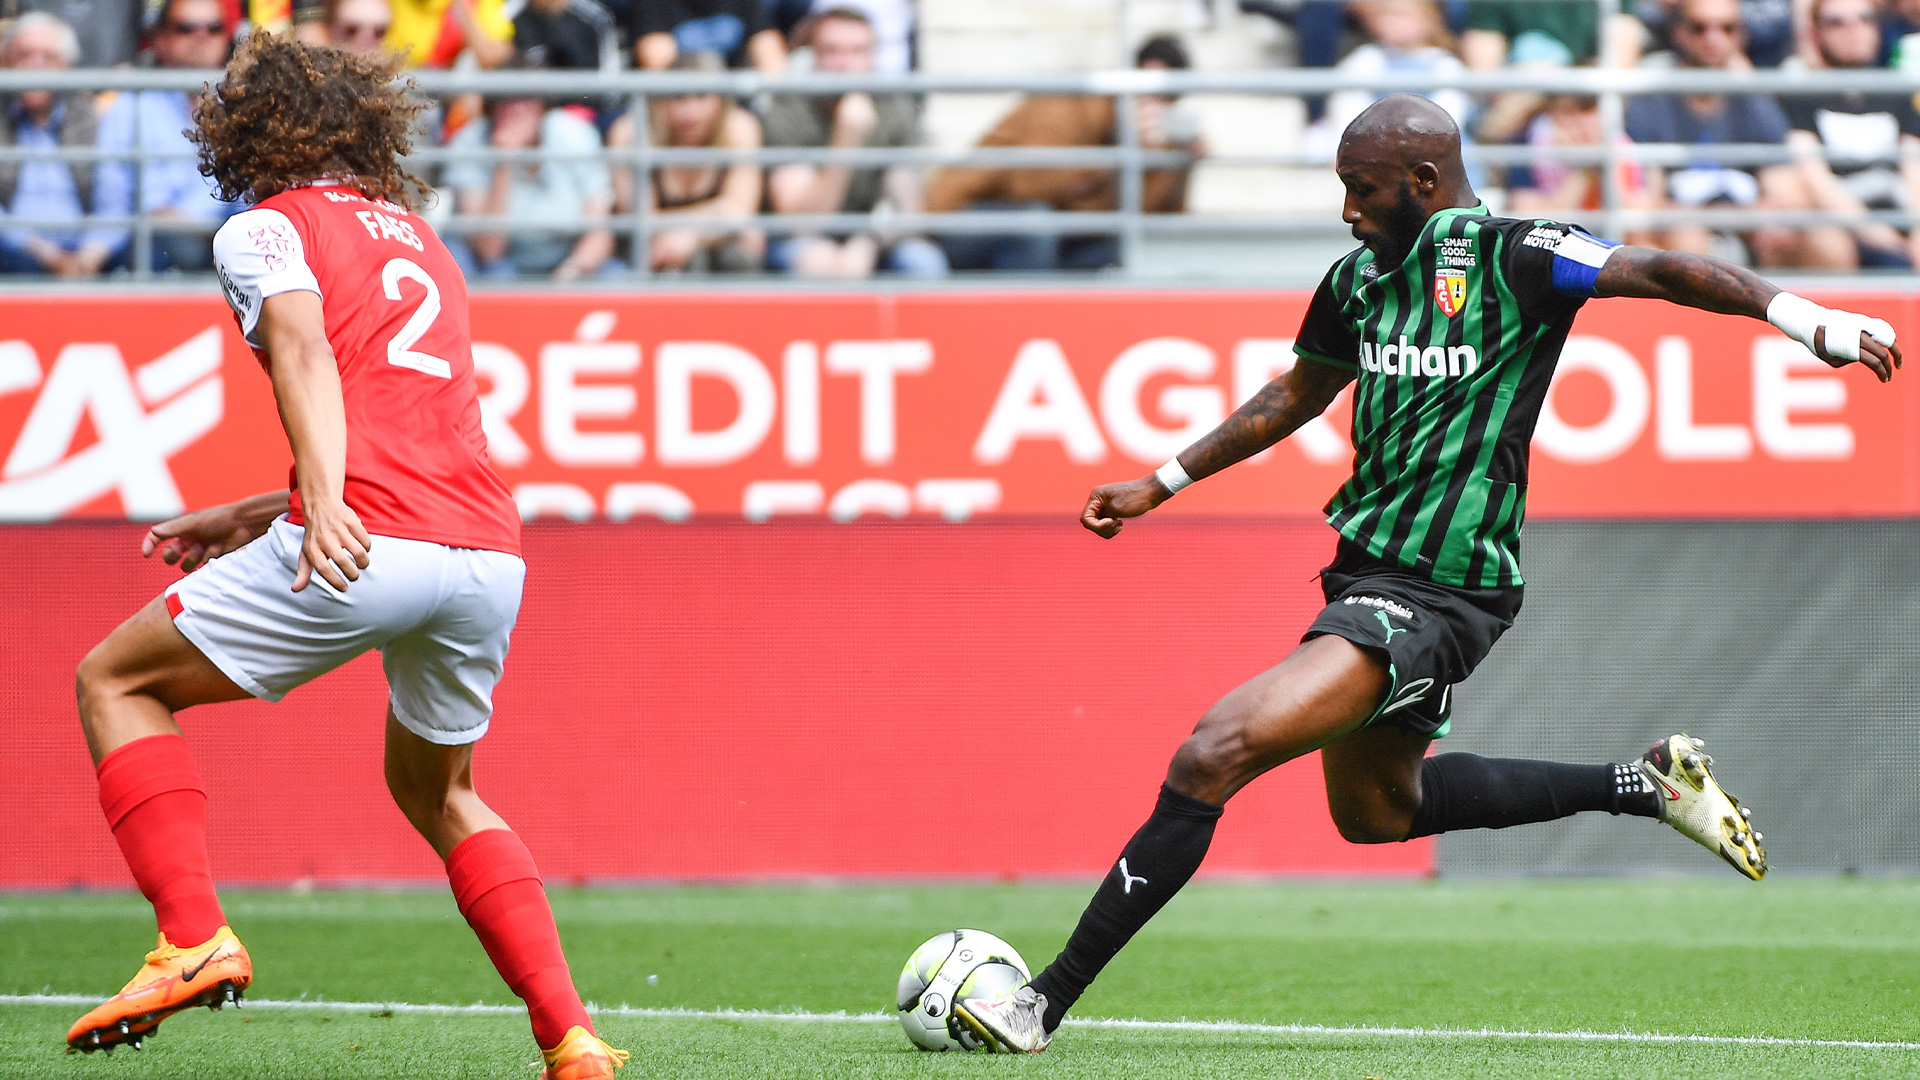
(843, 42)
(741, 32)
(1067, 121)
(1708, 34)
(45, 189)
(562, 200)
(1858, 151)
(185, 207)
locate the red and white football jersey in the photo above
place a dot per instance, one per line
(396, 312)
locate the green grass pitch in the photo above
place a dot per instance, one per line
(1432, 961)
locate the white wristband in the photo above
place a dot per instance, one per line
(1799, 318)
(1796, 316)
(1174, 475)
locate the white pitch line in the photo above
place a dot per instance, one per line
(1231, 1027)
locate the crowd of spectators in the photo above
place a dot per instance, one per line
(559, 205)
(1850, 153)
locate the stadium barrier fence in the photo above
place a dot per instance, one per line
(1133, 227)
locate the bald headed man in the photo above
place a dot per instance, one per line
(1449, 322)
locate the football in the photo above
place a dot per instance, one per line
(948, 967)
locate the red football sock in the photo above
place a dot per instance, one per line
(157, 809)
(498, 889)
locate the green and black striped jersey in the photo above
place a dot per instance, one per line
(1453, 351)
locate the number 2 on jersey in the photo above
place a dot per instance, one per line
(400, 350)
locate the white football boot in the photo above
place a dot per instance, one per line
(1694, 803)
(1008, 1023)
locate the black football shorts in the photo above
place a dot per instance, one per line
(1431, 635)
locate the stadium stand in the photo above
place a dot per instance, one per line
(168, 185)
(1574, 107)
(1856, 151)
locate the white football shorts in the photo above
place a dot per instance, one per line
(440, 616)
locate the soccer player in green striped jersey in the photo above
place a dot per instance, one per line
(1448, 321)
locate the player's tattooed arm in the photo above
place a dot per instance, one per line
(1278, 410)
(191, 539)
(1710, 284)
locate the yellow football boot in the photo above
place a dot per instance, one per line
(174, 979)
(1693, 802)
(582, 1055)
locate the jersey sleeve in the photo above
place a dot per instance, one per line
(1325, 334)
(258, 253)
(1551, 267)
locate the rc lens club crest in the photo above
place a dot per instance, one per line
(1450, 291)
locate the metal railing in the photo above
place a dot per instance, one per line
(1133, 227)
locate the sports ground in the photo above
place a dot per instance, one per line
(1686, 977)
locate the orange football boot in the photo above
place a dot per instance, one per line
(582, 1056)
(174, 979)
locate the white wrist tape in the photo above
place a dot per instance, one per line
(1799, 318)
(1174, 475)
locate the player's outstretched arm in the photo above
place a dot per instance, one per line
(192, 539)
(1701, 281)
(1275, 412)
(306, 384)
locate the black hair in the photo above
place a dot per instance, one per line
(1164, 48)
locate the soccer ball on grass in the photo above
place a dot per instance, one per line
(950, 967)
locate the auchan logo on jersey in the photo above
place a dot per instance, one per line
(140, 416)
(1406, 358)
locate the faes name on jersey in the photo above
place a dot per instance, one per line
(382, 226)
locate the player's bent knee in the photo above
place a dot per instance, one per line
(1370, 816)
(97, 680)
(417, 796)
(1211, 764)
(1369, 827)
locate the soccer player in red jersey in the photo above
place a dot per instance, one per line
(395, 534)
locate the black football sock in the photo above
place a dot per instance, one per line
(1155, 864)
(1465, 791)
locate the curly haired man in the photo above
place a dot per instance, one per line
(394, 534)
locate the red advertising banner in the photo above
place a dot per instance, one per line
(718, 700)
(956, 404)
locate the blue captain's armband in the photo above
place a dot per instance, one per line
(1577, 260)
